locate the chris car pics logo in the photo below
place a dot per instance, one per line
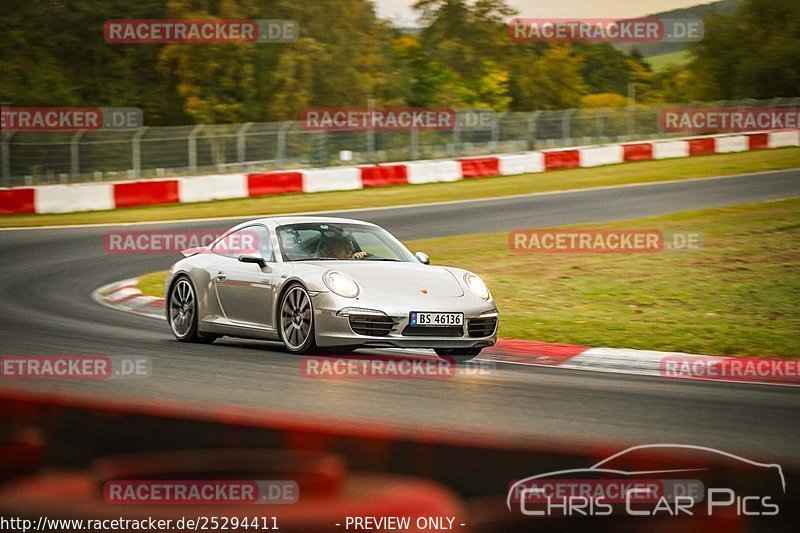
(694, 481)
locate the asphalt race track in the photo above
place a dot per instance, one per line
(46, 309)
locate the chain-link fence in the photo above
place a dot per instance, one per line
(32, 158)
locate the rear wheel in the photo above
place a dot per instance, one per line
(458, 355)
(296, 321)
(183, 312)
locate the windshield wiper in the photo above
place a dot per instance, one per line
(381, 259)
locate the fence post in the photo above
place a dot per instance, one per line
(5, 156)
(320, 156)
(532, 129)
(414, 144)
(281, 156)
(193, 148)
(600, 130)
(241, 152)
(371, 131)
(495, 133)
(75, 156)
(136, 155)
(566, 121)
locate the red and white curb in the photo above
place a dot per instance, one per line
(125, 296)
(116, 195)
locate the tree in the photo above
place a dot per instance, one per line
(605, 69)
(215, 81)
(749, 54)
(554, 81)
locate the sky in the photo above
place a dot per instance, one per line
(401, 14)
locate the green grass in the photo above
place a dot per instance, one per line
(153, 284)
(661, 62)
(739, 295)
(639, 172)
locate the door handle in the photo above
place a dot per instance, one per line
(222, 276)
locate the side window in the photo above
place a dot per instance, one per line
(264, 243)
(245, 240)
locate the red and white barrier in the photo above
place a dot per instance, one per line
(559, 159)
(524, 163)
(218, 187)
(79, 197)
(480, 167)
(432, 171)
(331, 179)
(637, 151)
(99, 196)
(602, 155)
(670, 149)
(733, 143)
(779, 139)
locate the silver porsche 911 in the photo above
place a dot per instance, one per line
(318, 282)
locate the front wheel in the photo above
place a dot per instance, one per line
(296, 321)
(458, 355)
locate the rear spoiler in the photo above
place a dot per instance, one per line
(189, 252)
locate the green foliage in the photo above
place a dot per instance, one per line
(751, 53)
(603, 100)
(54, 54)
(554, 80)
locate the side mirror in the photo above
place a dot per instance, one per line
(253, 257)
(423, 258)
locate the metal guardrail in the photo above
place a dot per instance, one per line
(35, 158)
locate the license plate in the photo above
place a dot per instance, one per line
(436, 319)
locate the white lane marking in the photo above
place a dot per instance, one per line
(638, 372)
(383, 208)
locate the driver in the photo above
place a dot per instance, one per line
(340, 248)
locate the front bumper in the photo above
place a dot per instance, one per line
(334, 328)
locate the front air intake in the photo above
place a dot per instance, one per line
(371, 325)
(481, 327)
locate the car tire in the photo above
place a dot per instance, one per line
(296, 325)
(182, 312)
(458, 355)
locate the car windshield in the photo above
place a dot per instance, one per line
(343, 242)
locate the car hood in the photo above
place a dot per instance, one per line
(401, 279)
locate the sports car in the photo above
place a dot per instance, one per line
(327, 283)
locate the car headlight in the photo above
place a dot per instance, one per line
(340, 284)
(477, 286)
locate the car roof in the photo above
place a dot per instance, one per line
(281, 221)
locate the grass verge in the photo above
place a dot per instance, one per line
(661, 62)
(739, 295)
(153, 284)
(581, 178)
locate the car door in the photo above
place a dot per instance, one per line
(245, 290)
